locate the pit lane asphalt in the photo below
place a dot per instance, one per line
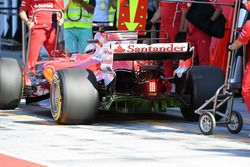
(29, 133)
(115, 139)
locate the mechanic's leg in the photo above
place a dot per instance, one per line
(194, 41)
(84, 34)
(50, 43)
(246, 86)
(172, 31)
(70, 40)
(163, 35)
(167, 64)
(61, 38)
(203, 47)
(191, 40)
(168, 68)
(37, 39)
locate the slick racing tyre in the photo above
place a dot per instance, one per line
(74, 96)
(201, 84)
(10, 83)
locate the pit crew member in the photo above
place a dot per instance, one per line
(78, 19)
(43, 28)
(243, 39)
(200, 40)
(172, 16)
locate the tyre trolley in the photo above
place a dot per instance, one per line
(209, 112)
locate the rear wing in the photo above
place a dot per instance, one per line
(159, 51)
(124, 46)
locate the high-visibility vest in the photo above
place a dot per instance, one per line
(117, 12)
(111, 14)
(75, 16)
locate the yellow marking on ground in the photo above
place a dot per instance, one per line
(221, 136)
(29, 118)
(150, 121)
(196, 131)
(245, 140)
(160, 123)
(246, 119)
(163, 124)
(177, 127)
(154, 122)
(8, 114)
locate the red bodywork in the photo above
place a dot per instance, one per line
(218, 51)
(99, 54)
(88, 60)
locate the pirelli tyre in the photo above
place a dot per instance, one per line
(10, 83)
(201, 84)
(74, 96)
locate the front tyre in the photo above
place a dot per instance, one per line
(74, 96)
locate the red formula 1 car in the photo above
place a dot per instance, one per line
(119, 73)
(115, 73)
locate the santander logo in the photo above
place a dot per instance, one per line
(160, 47)
(119, 49)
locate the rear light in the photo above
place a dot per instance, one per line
(152, 87)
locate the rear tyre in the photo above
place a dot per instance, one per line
(10, 83)
(74, 96)
(201, 84)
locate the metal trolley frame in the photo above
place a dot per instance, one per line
(224, 94)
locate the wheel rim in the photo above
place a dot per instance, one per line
(234, 122)
(206, 123)
(56, 100)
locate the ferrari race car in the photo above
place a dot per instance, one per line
(116, 72)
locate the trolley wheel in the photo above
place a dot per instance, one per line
(235, 123)
(207, 123)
